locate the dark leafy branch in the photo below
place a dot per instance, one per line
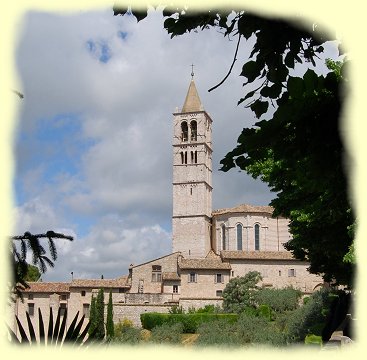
(32, 243)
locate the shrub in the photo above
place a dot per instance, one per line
(167, 333)
(309, 318)
(189, 321)
(265, 311)
(127, 335)
(313, 340)
(218, 332)
(279, 300)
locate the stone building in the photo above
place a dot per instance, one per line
(208, 247)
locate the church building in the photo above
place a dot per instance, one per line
(209, 247)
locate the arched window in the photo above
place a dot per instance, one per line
(224, 237)
(239, 236)
(194, 130)
(192, 157)
(257, 236)
(182, 157)
(184, 131)
(196, 157)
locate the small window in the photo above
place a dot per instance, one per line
(175, 289)
(63, 297)
(280, 273)
(232, 273)
(239, 236)
(257, 236)
(31, 309)
(156, 273)
(62, 309)
(196, 157)
(184, 131)
(83, 292)
(193, 128)
(219, 278)
(219, 293)
(182, 157)
(192, 277)
(224, 237)
(292, 272)
(30, 296)
(86, 310)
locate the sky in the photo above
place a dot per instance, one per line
(93, 141)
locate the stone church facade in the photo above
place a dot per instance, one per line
(208, 247)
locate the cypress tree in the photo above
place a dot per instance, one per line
(92, 315)
(100, 332)
(110, 330)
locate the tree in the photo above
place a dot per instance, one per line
(99, 316)
(32, 274)
(20, 246)
(298, 151)
(92, 316)
(110, 329)
(239, 293)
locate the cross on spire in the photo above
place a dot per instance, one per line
(192, 71)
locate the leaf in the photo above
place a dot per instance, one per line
(295, 87)
(311, 81)
(119, 10)
(251, 70)
(41, 327)
(248, 95)
(139, 14)
(169, 12)
(22, 332)
(32, 334)
(289, 60)
(259, 107)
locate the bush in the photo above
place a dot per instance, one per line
(279, 300)
(218, 332)
(127, 335)
(313, 340)
(309, 318)
(265, 311)
(167, 333)
(190, 322)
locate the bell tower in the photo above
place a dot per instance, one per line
(192, 177)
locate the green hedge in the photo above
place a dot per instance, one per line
(190, 322)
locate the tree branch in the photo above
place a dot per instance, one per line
(230, 70)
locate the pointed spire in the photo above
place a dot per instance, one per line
(192, 102)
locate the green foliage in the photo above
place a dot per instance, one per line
(240, 291)
(97, 315)
(309, 318)
(110, 329)
(313, 340)
(190, 322)
(124, 332)
(303, 137)
(92, 315)
(175, 309)
(57, 332)
(265, 311)
(32, 274)
(248, 330)
(167, 333)
(279, 300)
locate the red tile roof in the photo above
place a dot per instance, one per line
(48, 287)
(256, 255)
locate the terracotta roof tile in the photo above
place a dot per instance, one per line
(257, 255)
(100, 283)
(245, 208)
(203, 264)
(48, 287)
(170, 276)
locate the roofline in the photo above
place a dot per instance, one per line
(161, 257)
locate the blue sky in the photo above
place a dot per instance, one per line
(93, 142)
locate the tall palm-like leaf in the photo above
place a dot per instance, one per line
(57, 333)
